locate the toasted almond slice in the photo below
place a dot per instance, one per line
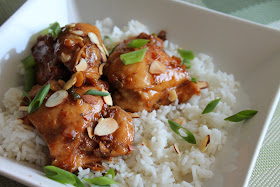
(103, 57)
(106, 126)
(70, 83)
(23, 108)
(100, 69)
(100, 119)
(90, 99)
(78, 32)
(104, 49)
(205, 143)
(49, 68)
(101, 48)
(61, 82)
(93, 38)
(157, 67)
(90, 132)
(176, 148)
(72, 25)
(172, 95)
(180, 121)
(80, 78)
(56, 98)
(65, 57)
(82, 66)
(133, 115)
(202, 84)
(107, 99)
(54, 86)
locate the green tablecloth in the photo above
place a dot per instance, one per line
(267, 12)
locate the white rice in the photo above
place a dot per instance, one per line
(154, 162)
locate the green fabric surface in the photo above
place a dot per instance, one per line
(267, 169)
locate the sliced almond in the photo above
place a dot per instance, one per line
(72, 25)
(78, 32)
(176, 148)
(157, 67)
(49, 68)
(23, 108)
(100, 69)
(202, 84)
(80, 78)
(180, 121)
(106, 126)
(61, 82)
(90, 132)
(205, 143)
(93, 38)
(104, 49)
(103, 58)
(107, 99)
(54, 86)
(56, 98)
(172, 95)
(69, 83)
(90, 99)
(82, 66)
(65, 57)
(133, 115)
(100, 119)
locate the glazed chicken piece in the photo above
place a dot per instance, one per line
(157, 80)
(57, 58)
(69, 130)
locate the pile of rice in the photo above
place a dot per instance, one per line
(154, 162)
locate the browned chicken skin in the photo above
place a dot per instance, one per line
(136, 88)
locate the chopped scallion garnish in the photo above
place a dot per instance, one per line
(194, 80)
(38, 99)
(240, 116)
(62, 176)
(134, 56)
(96, 92)
(138, 43)
(186, 54)
(211, 106)
(103, 181)
(25, 95)
(187, 63)
(28, 63)
(54, 29)
(175, 127)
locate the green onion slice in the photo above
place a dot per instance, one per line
(103, 181)
(175, 127)
(194, 80)
(29, 78)
(187, 63)
(134, 56)
(211, 106)
(240, 116)
(96, 92)
(138, 43)
(38, 99)
(111, 42)
(54, 29)
(25, 94)
(62, 176)
(28, 62)
(186, 54)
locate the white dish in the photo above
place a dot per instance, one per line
(247, 50)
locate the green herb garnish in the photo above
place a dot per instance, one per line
(134, 56)
(25, 94)
(111, 42)
(211, 106)
(29, 77)
(96, 92)
(175, 127)
(186, 54)
(240, 116)
(187, 63)
(138, 43)
(62, 176)
(103, 181)
(38, 99)
(194, 80)
(54, 29)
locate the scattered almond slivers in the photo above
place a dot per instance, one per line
(94, 39)
(202, 84)
(70, 83)
(56, 98)
(82, 66)
(90, 132)
(176, 148)
(106, 126)
(107, 99)
(172, 95)
(54, 85)
(103, 57)
(133, 115)
(23, 108)
(157, 67)
(100, 69)
(205, 143)
(80, 78)
(105, 50)
(78, 32)
(64, 57)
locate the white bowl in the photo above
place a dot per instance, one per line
(245, 49)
